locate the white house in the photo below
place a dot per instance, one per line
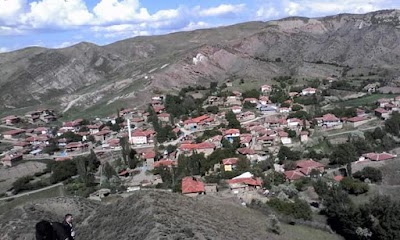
(304, 136)
(329, 120)
(266, 88)
(284, 110)
(236, 109)
(139, 137)
(285, 139)
(264, 100)
(308, 91)
(231, 133)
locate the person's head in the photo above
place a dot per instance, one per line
(44, 231)
(68, 218)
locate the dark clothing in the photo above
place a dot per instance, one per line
(46, 230)
(69, 229)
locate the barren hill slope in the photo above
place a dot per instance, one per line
(127, 71)
(149, 215)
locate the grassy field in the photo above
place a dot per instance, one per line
(298, 232)
(365, 100)
(49, 193)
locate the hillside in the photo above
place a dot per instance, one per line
(90, 78)
(152, 215)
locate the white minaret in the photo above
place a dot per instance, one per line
(129, 130)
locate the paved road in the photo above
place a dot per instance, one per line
(31, 192)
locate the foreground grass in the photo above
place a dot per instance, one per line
(49, 193)
(299, 232)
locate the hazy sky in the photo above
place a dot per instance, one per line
(61, 23)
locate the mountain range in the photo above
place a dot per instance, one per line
(87, 78)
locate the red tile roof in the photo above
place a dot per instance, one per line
(12, 157)
(163, 115)
(328, 118)
(230, 161)
(246, 151)
(165, 163)
(203, 145)
(149, 155)
(338, 178)
(304, 133)
(192, 185)
(103, 132)
(293, 174)
(356, 119)
(250, 100)
(381, 110)
(379, 156)
(14, 132)
(11, 117)
(196, 120)
(310, 89)
(75, 145)
(232, 131)
(308, 164)
(247, 181)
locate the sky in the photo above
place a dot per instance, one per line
(62, 23)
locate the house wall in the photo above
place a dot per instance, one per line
(303, 138)
(356, 124)
(7, 136)
(210, 189)
(228, 168)
(206, 151)
(139, 140)
(191, 194)
(286, 140)
(7, 163)
(190, 126)
(150, 163)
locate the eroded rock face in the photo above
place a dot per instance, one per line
(91, 75)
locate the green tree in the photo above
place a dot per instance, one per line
(343, 153)
(86, 175)
(212, 109)
(286, 154)
(296, 107)
(249, 105)
(354, 186)
(253, 93)
(232, 120)
(243, 165)
(171, 148)
(109, 171)
(274, 224)
(62, 171)
(373, 174)
(392, 125)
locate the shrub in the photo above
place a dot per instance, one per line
(297, 107)
(62, 171)
(354, 186)
(373, 174)
(298, 209)
(22, 184)
(274, 224)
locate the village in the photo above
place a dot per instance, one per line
(245, 145)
